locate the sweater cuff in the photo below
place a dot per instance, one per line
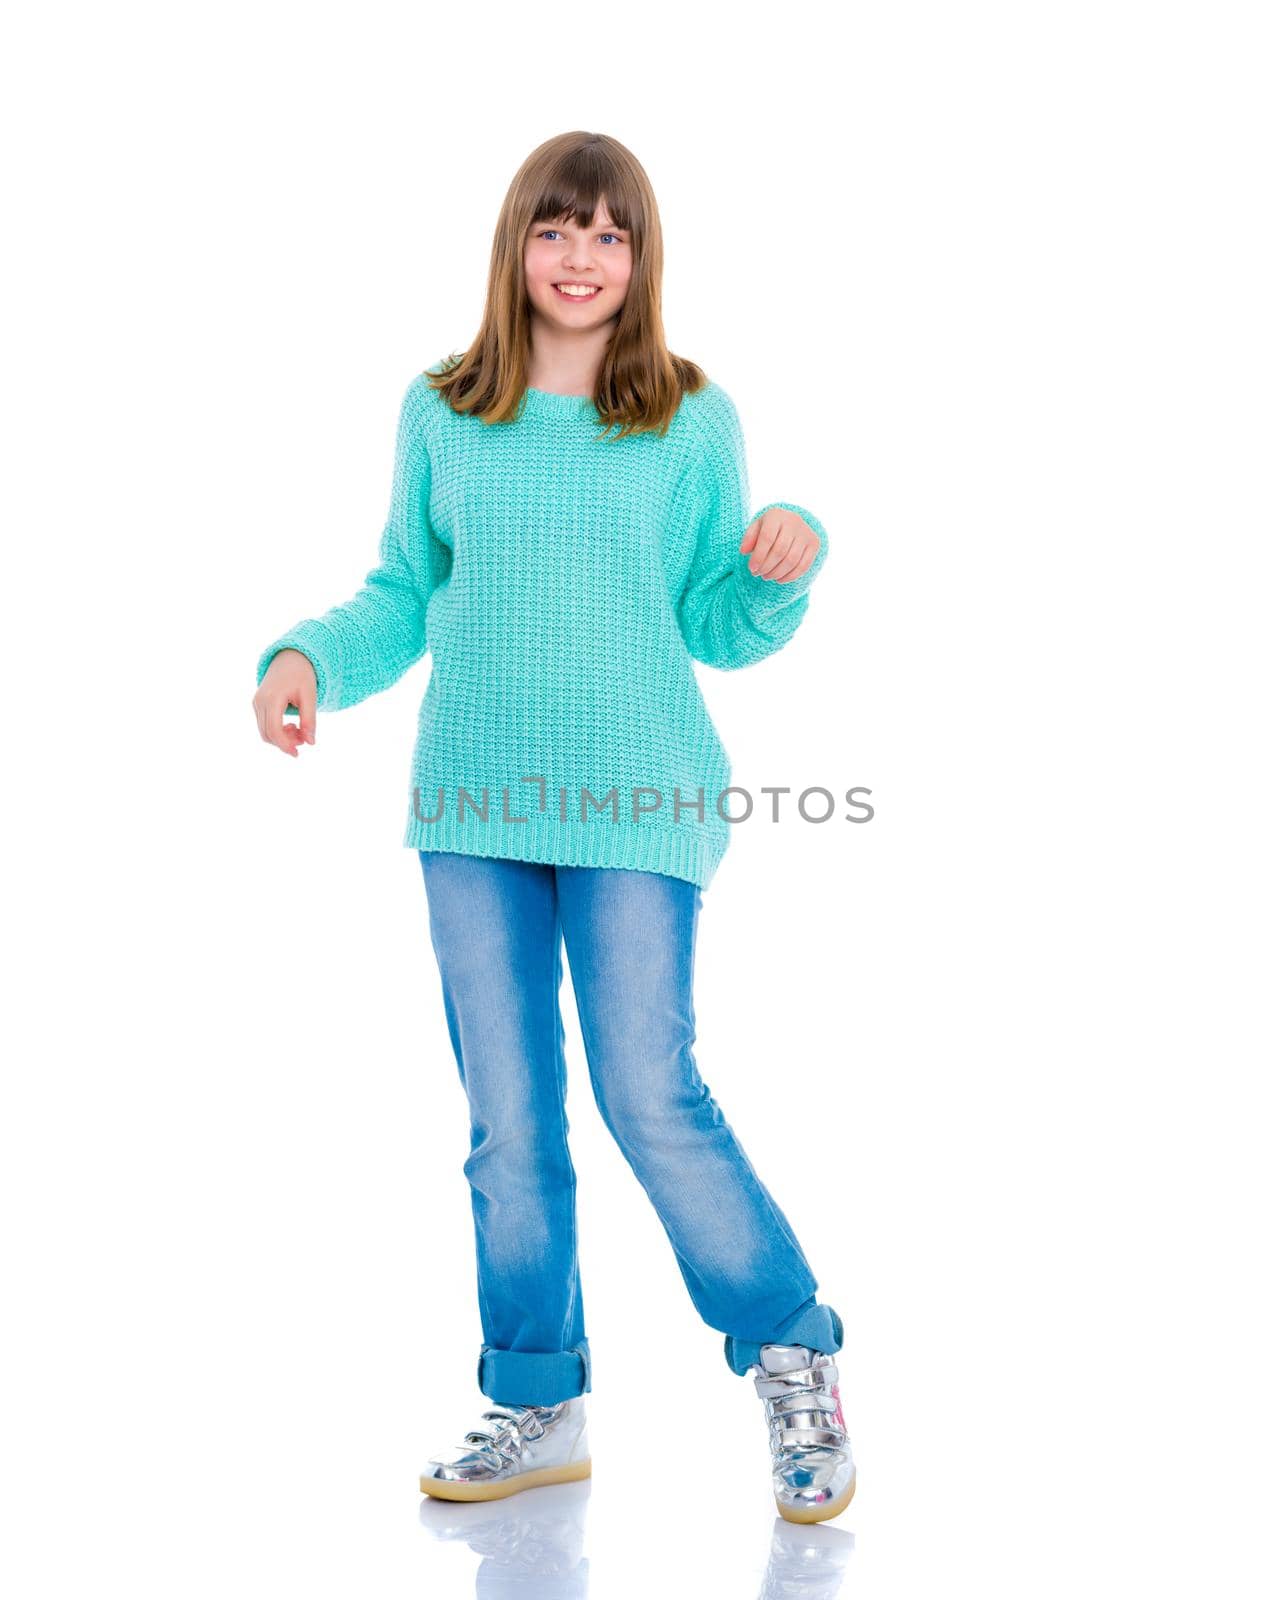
(313, 640)
(762, 595)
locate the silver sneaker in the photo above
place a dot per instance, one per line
(813, 1472)
(516, 1447)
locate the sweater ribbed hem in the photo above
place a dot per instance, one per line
(678, 852)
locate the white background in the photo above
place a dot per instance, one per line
(994, 289)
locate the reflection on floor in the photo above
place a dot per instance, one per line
(531, 1546)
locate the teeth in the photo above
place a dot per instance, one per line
(576, 290)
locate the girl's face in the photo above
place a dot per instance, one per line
(560, 253)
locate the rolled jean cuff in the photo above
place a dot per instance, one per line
(817, 1327)
(534, 1377)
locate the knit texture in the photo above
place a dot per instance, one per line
(564, 582)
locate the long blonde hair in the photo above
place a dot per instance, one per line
(640, 383)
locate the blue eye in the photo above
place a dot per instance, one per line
(545, 231)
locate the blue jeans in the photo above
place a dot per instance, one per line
(496, 928)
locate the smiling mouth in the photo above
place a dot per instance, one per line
(583, 291)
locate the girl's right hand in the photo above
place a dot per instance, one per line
(288, 684)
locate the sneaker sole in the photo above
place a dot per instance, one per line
(446, 1489)
(823, 1513)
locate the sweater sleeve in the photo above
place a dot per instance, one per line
(729, 616)
(370, 641)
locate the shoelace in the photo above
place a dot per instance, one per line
(502, 1441)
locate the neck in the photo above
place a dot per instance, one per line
(565, 362)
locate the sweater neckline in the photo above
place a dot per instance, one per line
(541, 402)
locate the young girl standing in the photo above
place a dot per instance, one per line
(568, 533)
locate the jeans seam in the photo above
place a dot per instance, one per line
(562, 1089)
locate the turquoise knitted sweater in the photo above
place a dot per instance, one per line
(564, 583)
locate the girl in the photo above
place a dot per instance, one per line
(568, 533)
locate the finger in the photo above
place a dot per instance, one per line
(291, 732)
(749, 541)
(262, 706)
(808, 559)
(306, 701)
(764, 544)
(801, 560)
(778, 554)
(277, 730)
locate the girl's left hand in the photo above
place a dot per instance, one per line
(783, 545)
